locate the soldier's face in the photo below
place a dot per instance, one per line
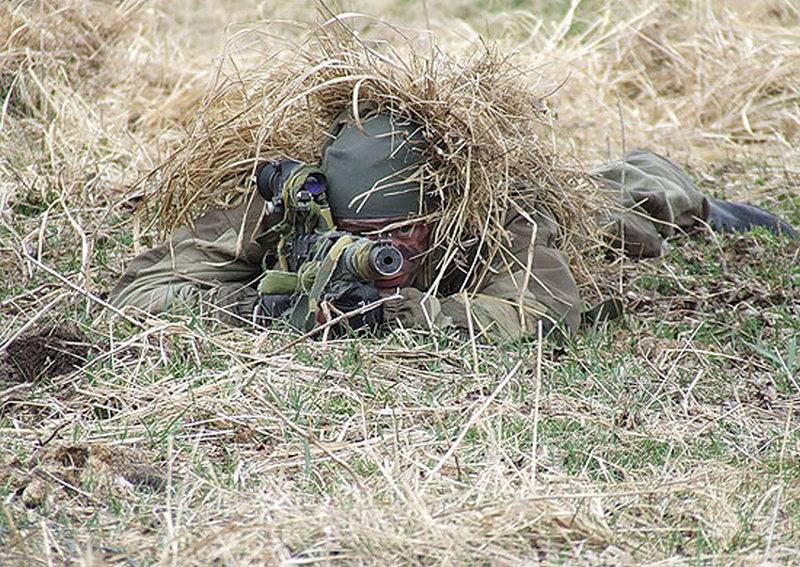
(411, 239)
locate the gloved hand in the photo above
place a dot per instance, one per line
(356, 296)
(411, 311)
(269, 307)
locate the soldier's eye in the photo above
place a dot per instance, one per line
(405, 230)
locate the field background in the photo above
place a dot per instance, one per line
(670, 437)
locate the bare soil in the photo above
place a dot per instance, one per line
(44, 353)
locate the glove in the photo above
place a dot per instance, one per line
(270, 307)
(411, 311)
(355, 297)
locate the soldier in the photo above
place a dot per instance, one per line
(369, 171)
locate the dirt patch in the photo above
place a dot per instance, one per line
(44, 353)
(85, 475)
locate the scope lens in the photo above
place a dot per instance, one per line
(314, 184)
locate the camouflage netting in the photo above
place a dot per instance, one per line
(485, 116)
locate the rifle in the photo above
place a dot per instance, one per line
(316, 262)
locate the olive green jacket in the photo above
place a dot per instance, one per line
(201, 268)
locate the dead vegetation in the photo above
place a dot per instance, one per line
(46, 44)
(671, 437)
(698, 80)
(483, 115)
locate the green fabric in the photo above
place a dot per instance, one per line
(657, 197)
(511, 303)
(373, 173)
(413, 309)
(278, 282)
(200, 267)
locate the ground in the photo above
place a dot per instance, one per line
(671, 436)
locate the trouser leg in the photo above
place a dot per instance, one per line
(656, 197)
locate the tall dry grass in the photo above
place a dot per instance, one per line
(89, 94)
(701, 80)
(484, 120)
(54, 41)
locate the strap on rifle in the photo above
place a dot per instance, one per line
(319, 217)
(327, 267)
(320, 271)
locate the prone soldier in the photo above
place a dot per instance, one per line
(364, 189)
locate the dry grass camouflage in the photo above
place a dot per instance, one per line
(484, 112)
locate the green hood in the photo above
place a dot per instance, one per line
(374, 173)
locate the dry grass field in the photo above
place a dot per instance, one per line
(669, 437)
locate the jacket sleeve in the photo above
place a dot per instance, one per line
(530, 281)
(200, 268)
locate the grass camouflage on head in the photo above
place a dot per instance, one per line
(372, 165)
(481, 112)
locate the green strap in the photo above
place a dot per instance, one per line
(327, 267)
(319, 217)
(278, 282)
(314, 278)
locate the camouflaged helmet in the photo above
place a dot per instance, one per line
(373, 167)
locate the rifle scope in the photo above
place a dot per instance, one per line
(271, 176)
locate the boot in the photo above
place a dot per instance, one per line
(725, 216)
